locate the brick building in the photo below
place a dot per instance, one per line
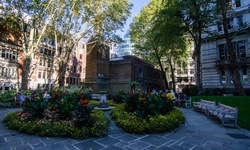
(119, 73)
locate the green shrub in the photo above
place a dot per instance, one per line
(64, 109)
(93, 103)
(58, 128)
(119, 97)
(7, 99)
(131, 123)
(148, 105)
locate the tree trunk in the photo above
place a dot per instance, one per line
(198, 58)
(63, 63)
(234, 68)
(172, 76)
(162, 70)
(61, 74)
(25, 73)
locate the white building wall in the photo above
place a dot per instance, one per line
(211, 73)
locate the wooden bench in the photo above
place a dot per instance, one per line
(203, 105)
(227, 114)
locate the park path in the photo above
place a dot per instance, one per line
(197, 133)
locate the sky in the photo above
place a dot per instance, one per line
(138, 4)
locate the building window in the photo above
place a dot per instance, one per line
(39, 75)
(245, 75)
(7, 54)
(44, 73)
(191, 79)
(40, 62)
(80, 56)
(3, 53)
(240, 21)
(140, 74)
(49, 52)
(220, 27)
(191, 71)
(49, 63)
(230, 24)
(46, 52)
(238, 47)
(223, 76)
(241, 49)
(41, 50)
(237, 2)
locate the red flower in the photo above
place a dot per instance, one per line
(81, 101)
(142, 99)
(164, 95)
(84, 102)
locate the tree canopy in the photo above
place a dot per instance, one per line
(158, 35)
(68, 21)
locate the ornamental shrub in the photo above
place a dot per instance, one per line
(148, 105)
(119, 97)
(58, 128)
(63, 109)
(132, 123)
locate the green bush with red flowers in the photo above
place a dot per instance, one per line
(65, 110)
(145, 105)
(147, 113)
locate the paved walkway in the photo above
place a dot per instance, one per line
(198, 133)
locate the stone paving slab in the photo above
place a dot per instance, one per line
(199, 132)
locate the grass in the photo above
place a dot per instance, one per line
(241, 102)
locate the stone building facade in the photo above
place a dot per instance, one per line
(214, 54)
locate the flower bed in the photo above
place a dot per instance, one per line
(147, 114)
(64, 114)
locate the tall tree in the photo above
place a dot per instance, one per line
(156, 34)
(32, 17)
(222, 8)
(69, 20)
(97, 20)
(197, 15)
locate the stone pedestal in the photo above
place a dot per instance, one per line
(103, 104)
(103, 100)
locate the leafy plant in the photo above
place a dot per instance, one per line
(36, 107)
(119, 97)
(132, 123)
(83, 114)
(58, 128)
(147, 105)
